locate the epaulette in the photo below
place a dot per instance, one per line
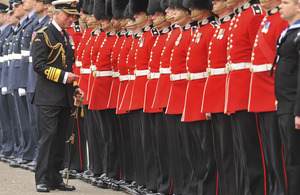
(42, 30)
(256, 9)
(77, 28)
(154, 32)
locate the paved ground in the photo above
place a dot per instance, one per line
(16, 181)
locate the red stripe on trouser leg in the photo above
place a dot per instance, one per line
(282, 152)
(217, 186)
(171, 187)
(262, 154)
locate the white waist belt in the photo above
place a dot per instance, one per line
(102, 73)
(93, 68)
(153, 75)
(15, 56)
(115, 74)
(78, 64)
(5, 58)
(25, 53)
(126, 78)
(30, 59)
(85, 71)
(139, 73)
(177, 77)
(238, 66)
(1, 59)
(260, 68)
(216, 71)
(164, 70)
(196, 76)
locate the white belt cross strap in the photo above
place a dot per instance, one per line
(85, 71)
(196, 76)
(126, 78)
(153, 75)
(139, 73)
(238, 66)
(102, 73)
(216, 71)
(78, 64)
(260, 68)
(164, 70)
(25, 53)
(177, 77)
(115, 74)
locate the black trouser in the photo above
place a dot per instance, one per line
(291, 144)
(149, 146)
(272, 147)
(198, 144)
(127, 172)
(95, 142)
(249, 165)
(52, 129)
(109, 128)
(164, 179)
(139, 159)
(78, 156)
(223, 145)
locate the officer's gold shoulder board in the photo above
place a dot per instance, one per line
(42, 30)
(256, 9)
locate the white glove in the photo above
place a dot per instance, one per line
(4, 90)
(22, 92)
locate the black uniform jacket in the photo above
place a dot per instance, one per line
(287, 78)
(53, 56)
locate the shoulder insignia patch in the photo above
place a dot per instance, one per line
(37, 40)
(256, 9)
(77, 28)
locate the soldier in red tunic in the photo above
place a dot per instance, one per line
(196, 131)
(246, 137)
(214, 98)
(262, 97)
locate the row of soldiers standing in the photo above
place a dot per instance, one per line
(151, 72)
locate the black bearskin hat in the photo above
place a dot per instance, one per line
(99, 9)
(85, 6)
(127, 14)
(198, 4)
(154, 6)
(136, 6)
(164, 4)
(118, 8)
(108, 9)
(91, 7)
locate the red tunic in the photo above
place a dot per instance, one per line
(240, 43)
(142, 57)
(94, 53)
(154, 63)
(76, 32)
(126, 46)
(112, 102)
(214, 90)
(262, 97)
(86, 62)
(101, 87)
(196, 64)
(164, 84)
(178, 66)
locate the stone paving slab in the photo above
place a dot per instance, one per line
(16, 181)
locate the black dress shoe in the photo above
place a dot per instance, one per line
(42, 188)
(63, 187)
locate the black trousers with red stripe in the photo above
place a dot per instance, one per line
(272, 147)
(223, 147)
(248, 156)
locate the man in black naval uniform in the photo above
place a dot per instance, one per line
(287, 91)
(53, 57)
